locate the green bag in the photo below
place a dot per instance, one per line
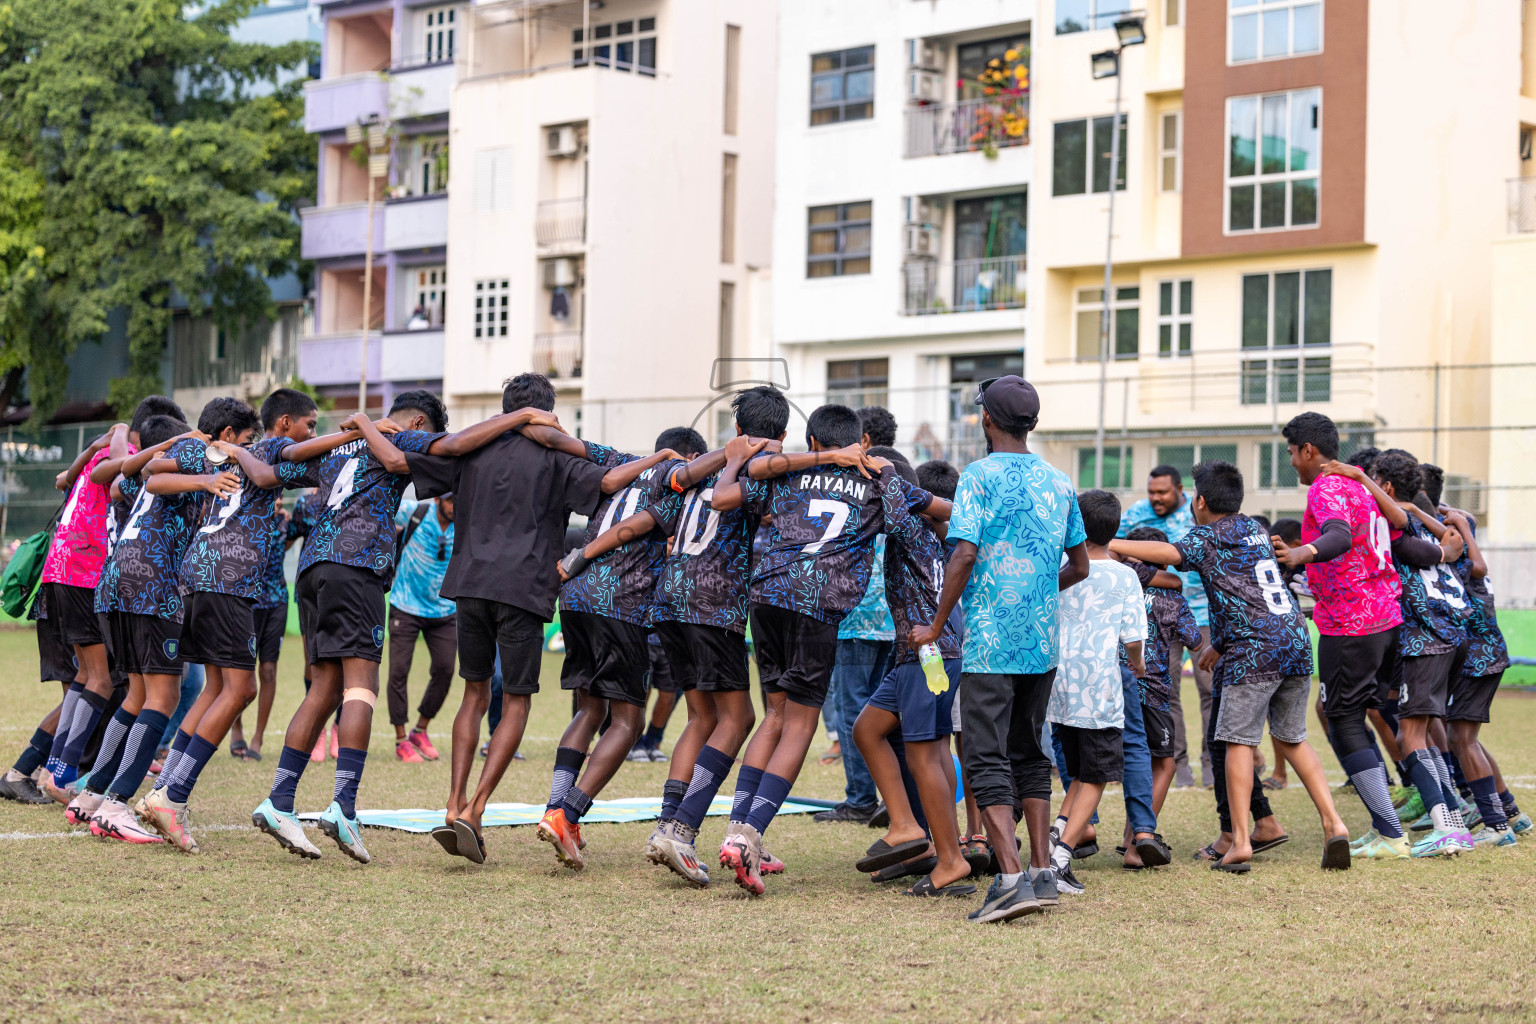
(19, 581)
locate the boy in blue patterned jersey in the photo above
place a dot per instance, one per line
(1261, 651)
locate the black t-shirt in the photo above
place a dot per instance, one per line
(512, 499)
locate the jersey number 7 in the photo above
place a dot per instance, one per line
(839, 512)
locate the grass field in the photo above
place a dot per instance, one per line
(244, 931)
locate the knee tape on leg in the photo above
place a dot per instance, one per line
(361, 693)
(1348, 734)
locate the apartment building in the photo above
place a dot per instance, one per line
(1304, 217)
(609, 207)
(389, 64)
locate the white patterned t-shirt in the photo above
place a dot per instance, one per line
(1096, 617)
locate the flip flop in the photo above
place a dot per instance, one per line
(1232, 869)
(1272, 783)
(1208, 852)
(471, 846)
(1336, 854)
(1082, 851)
(252, 755)
(882, 854)
(1270, 844)
(977, 858)
(925, 887)
(448, 839)
(237, 750)
(913, 870)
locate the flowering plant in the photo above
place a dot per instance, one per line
(1002, 119)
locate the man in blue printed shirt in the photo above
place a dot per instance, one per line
(1167, 508)
(418, 609)
(1019, 540)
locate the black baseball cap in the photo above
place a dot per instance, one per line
(1010, 400)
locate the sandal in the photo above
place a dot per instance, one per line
(1273, 783)
(925, 887)
(470, 845)
(1209, 852)
(252, 754)
(448, 839)
(238, 750)
(1270, 844)
(913, 870)
(977, 853)
(1232, 869)
(833, 755)
(882, 854)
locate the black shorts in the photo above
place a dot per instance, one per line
(341, 612)
(606, 657)
(114, 626)
(795, 653)
(73, 610)
(486, 627)
(1472, 697)
(155, 644)
(1350, 669)
(1426, 685)
(219, 630)
(709, 658)
(55, 658)
(1159, 723)
(660, 674)
(1095, 756)
(270, 625)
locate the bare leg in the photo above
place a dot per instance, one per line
(357, 715)
(1388, 737)
(266, 676)
(800, 724)
(760, 748)
(504, 743)
(869, 732)
(466, 736)
(612, 747)
(213, 686)
(1279, 773)
(1309, 768)
(1079, 806)
(1239, 791)
(702, 723)
(936, 788)
(322, 698)
(734, 719)
(1000, 827)
(239, 689)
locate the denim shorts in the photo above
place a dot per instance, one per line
(1245, 706)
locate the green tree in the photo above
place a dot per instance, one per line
(153, 158)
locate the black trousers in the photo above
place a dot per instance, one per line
(1258, 803)
(1001, 717)
(442, 646)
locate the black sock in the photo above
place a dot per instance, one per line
(1402, 774)
(35, 754)
(575, 804)
(672, 793)
(652, 737)
(567, 766)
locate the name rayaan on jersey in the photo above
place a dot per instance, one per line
(856, 487)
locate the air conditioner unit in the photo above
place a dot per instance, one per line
(922, 241)
(1464, 493)
(560, 141)
(922, 54)
(922, 211)
(924, 86)
(560, 273)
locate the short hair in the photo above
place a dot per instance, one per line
(1400, 469)
(879, 424)
(1315, 429)
(285, 402)
(683, 440)
(898, 462)
(423, 402)
(762, 411)
(1101, 515)
(1264, 522)
(160, 428)
(1014, 429)
(1434, 481)
(1169, 471)
(527, 391)
(1221, 485)
(1151, 533)
(939, 478)
(154, 405)
(1363, 457)
(1288, 530)
(226, 412)
(833, 426)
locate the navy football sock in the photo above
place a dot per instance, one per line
(1511, 809)
(653, 735)
(1488, 804)
(1370, 780)
(199, 752)
(770, 796)
(173, 757)
(349, 772)
(285, 781)
(747, 781)
(66, 719)
(567, 766)
(672, 793)
(109, 758)
(709, 771)
(1458, 777)
(575, 804)
(35, 753)
(88, 711)
(138, 753)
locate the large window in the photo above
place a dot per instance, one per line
(1267, 29)
(727, 327)
(427, 292)
(838, 241)
(843, 85)
(971, 60)
(1168, 145)
(1117, 466)
(1072, 157)
(425, 165)
(628, 45)
(438, 29)
(1288, 322)
(732, 77)
(857, 382)
(1185, 457)
(1175, 317)
(1082, 15)
(1124, 323)
(1274, 150)
(491, 308)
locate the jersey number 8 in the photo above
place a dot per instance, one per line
(1275, 597)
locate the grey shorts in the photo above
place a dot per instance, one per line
(1245, 707)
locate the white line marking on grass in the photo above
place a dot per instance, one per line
(85, 833)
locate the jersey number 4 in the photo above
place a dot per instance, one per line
(838, 510)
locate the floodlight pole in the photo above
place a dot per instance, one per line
(1109, 270)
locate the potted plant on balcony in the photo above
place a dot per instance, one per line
(1003, 118)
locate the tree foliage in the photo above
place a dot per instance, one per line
(145, 157)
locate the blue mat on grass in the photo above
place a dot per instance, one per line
(633, 809)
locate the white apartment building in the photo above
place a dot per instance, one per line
(608, 206)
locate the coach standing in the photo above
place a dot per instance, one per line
(1168, 508)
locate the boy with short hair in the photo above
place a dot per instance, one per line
(1262, 650)
(1087, 707)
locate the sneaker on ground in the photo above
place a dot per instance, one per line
(1471, 815)
(1520, 823)
(53, 791)
(1370, 836)
(563, 836)
(1413, 808)
(1423, 823)
(742, 852)
(1463, 838)
(21, 788)
(655, 754)
(114, 820)
(638, 752)
(672, 847)
(1067, 883)
(1382, 848)
(169, 818)
(1006, 902)
(83, 807)
(770, 865)
(859, 814)
(1437, 844)
(346, 832)
(286, 828)
(318, 754)
(1495, 835)
(1402, 794)
(1044, 885)
(423, 743)
(408, 752)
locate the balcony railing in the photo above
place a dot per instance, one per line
(968, 126)
(558, 354)
(962, 286)
(1522, 205)
(561, 221)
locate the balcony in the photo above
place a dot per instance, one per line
(420, 88)
(1522, 205)
(331, 104)
(412, 355)
(929, 287)
(326, 359)
(342, 230)
(558, 354)
(561, 222)
(970, 126)
(416, 222)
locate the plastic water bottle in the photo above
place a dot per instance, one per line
(933, 668)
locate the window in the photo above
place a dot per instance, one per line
(427, 292)
(857, 382)
(971, 59)
(1082, 15)
(1290, 312)
(1173, 13)
(992, 226)
(1266, 29)
(491, 308)
(1272, 455)
(220, 346)
(732, 76)
(1185, 457)
(1168, 152)
(843, 85)
(1117, 467)
(425, 170)
(727, 319)
(1124, 324)
(838, 243)
(493, 180)
(1274, 149)
(728, 209)
(1072, 156)
(628, 45)
(1175, 320)
(438, 27)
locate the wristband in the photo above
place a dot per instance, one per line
(1312, 548)
(575, 562)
